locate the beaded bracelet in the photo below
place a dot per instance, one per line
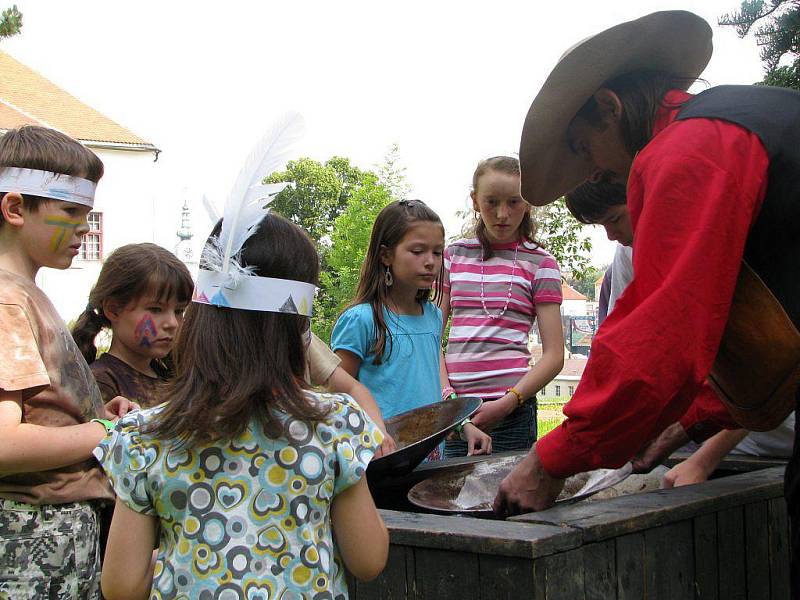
(520, 399)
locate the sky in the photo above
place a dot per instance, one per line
(449, 82)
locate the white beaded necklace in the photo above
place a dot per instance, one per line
(510, 285)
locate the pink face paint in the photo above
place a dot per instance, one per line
(145, 333)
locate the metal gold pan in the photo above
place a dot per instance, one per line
(417, 432)
(471, 488)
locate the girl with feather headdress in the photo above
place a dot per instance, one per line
(246, 483)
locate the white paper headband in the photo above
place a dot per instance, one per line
(48, 185)
(250, 292)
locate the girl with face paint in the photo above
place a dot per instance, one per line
(140, 297)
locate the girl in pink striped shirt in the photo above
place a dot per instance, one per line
(496, 285)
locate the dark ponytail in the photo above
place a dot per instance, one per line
(89, 324)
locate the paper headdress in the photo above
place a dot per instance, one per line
(47, 184)
(222, 280)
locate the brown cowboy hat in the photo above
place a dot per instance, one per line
(674, 41)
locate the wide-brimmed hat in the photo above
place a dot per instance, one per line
(677, 42)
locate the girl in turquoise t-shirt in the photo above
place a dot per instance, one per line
(247, 484)
(390, 336)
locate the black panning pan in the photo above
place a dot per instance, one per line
(471, 488)
(417, 432)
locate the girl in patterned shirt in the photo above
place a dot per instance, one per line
(496, 284)
(249, 485)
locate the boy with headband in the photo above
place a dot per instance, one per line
(712, 180)
(51, 412)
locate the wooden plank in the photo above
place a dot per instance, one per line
(390, 584)
(481, 536)
(731, 552)
(706, 567)
(505, 577)
(756, 536)
(600, 570)
(630, 567)
(738, 463)
(779, 569)
(559, 576)
(627, 514)
(669, 561)
(445, 574)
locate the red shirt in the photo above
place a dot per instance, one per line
(693, 194)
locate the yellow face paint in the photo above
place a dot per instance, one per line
(63, 227)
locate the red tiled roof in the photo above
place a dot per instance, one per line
(28, 98)
(573, 367)
(570, 293)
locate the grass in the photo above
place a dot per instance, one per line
(549, 414)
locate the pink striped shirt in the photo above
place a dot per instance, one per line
(486, 356)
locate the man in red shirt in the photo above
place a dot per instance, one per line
(711, 179)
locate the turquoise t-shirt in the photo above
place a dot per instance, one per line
(408, 377)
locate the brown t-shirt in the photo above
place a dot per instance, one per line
(117, 378)
(39, 358)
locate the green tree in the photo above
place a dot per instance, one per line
(349, 242)
(318, 194)
(336, 203)
(563, 237)
(585, 283)
(392, 176)
(10, 22)
(777, 32)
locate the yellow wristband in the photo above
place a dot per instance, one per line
(520, 399)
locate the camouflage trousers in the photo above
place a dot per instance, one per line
(49, 551)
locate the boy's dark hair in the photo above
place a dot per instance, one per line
(129, 273)
(389, 228)
(232, 366)
(510, 166)
(589, 202)
(34, 147)
(641, 94)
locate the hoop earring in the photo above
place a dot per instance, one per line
(387, 278)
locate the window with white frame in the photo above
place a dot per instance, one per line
(92, 244)
(558, 390)
(571, 390)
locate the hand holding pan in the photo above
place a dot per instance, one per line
(417, 432)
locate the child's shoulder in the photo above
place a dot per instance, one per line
(357, 313)
(344, 414)
(534, 252)
(18, 290)
(464, 245)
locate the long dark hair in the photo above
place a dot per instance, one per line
(128, 274)
(388, 230)
(641, 94)
(236, 366)
(510, 166)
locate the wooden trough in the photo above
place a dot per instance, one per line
(724, 539)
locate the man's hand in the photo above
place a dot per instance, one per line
(656, 450)
(527, 488)
(118, 407)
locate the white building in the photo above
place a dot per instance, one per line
(127, 203)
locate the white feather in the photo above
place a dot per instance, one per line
(244, 209)
(211, 210)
